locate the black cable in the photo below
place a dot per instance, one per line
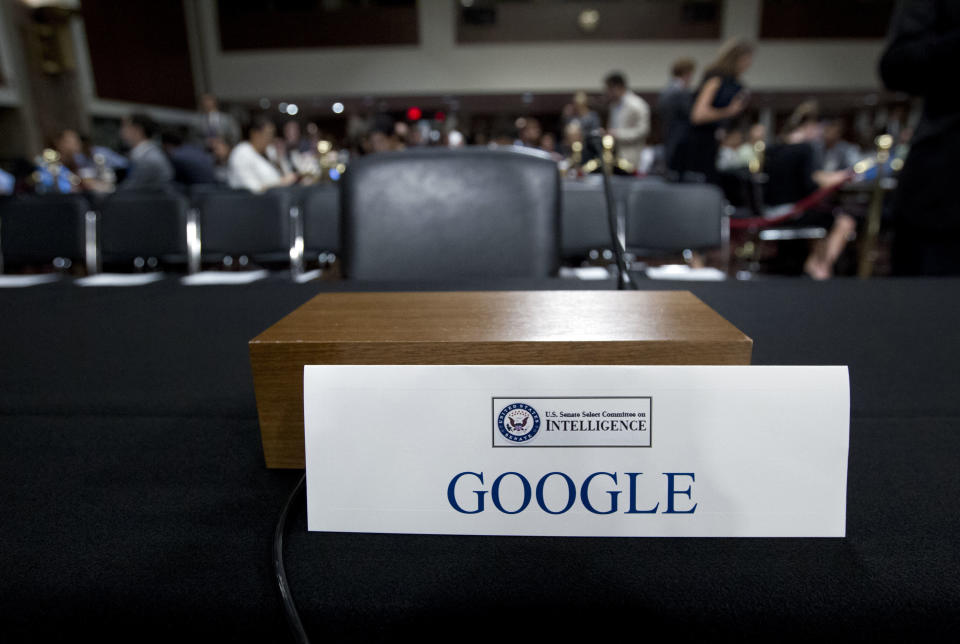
(623, 276)
(289, 606)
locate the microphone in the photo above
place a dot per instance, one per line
(595, 140)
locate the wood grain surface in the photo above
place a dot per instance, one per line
(515, 327)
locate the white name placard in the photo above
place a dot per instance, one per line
(577, 450)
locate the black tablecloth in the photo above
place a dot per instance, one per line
(136, 504)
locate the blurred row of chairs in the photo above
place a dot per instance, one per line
(171, 229)
(652, 217)
(474, 213)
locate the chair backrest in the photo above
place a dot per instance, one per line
(675, 216)
(585, 224)
(236, 222)
(321, 219)
(143, 224)
(40, 229)
(438, 214)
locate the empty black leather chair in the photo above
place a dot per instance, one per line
(237, 223)
(448, 214)
(143, 227)
(585, 225)
(675, 217)
(320, 213)
(40, 230)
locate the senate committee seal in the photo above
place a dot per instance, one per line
(518, 422)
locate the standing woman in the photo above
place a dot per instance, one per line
(720, 97)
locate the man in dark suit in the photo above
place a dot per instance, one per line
(192, 164)
(673, 107)
(149, 166)
(921, 59)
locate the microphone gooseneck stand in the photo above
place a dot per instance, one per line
(604, 149)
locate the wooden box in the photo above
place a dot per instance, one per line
(518, 327)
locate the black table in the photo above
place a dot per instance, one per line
(136, 504)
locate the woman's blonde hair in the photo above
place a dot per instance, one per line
(725, 64)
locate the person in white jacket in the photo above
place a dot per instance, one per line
(629, 121)
(248, 166)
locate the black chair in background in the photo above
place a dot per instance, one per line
(585, 230)
(144, 229)
(585, 227)
(43, 230)
(237, 226)
(448, 214)
(676, 217)
(320, 219)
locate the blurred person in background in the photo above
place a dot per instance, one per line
(293, 137)
(548, 143)
(801, 142)
(720, 97)
(75, 164)
(220, 151)
(400, 134)
(7, 183)
(572, 133)
(748, 150)
(192, 164)
(92, 166)
(673, 107)
(248, 166)
(413, 135)
(920, 59)
(794, 173)
(149, 166)
(299, 155)
(729, 157)
(579, 112)
(379, 140)
(838, 153)
(77, 152)
(71, 149)
(501, 134)
(629, 120)
(359, 126)
(803, 125)
(51, 177)
(214, 124)
(529, 132)
(313, 137)
(579, 122)
(276, 154)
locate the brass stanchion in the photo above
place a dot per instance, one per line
(868, 247)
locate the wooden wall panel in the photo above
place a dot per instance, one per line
(139, 51)
(296, 24)
(513, 21)
(825, 18)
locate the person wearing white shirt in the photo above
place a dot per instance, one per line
(249, 168)
(7, 183)
(629, 122)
